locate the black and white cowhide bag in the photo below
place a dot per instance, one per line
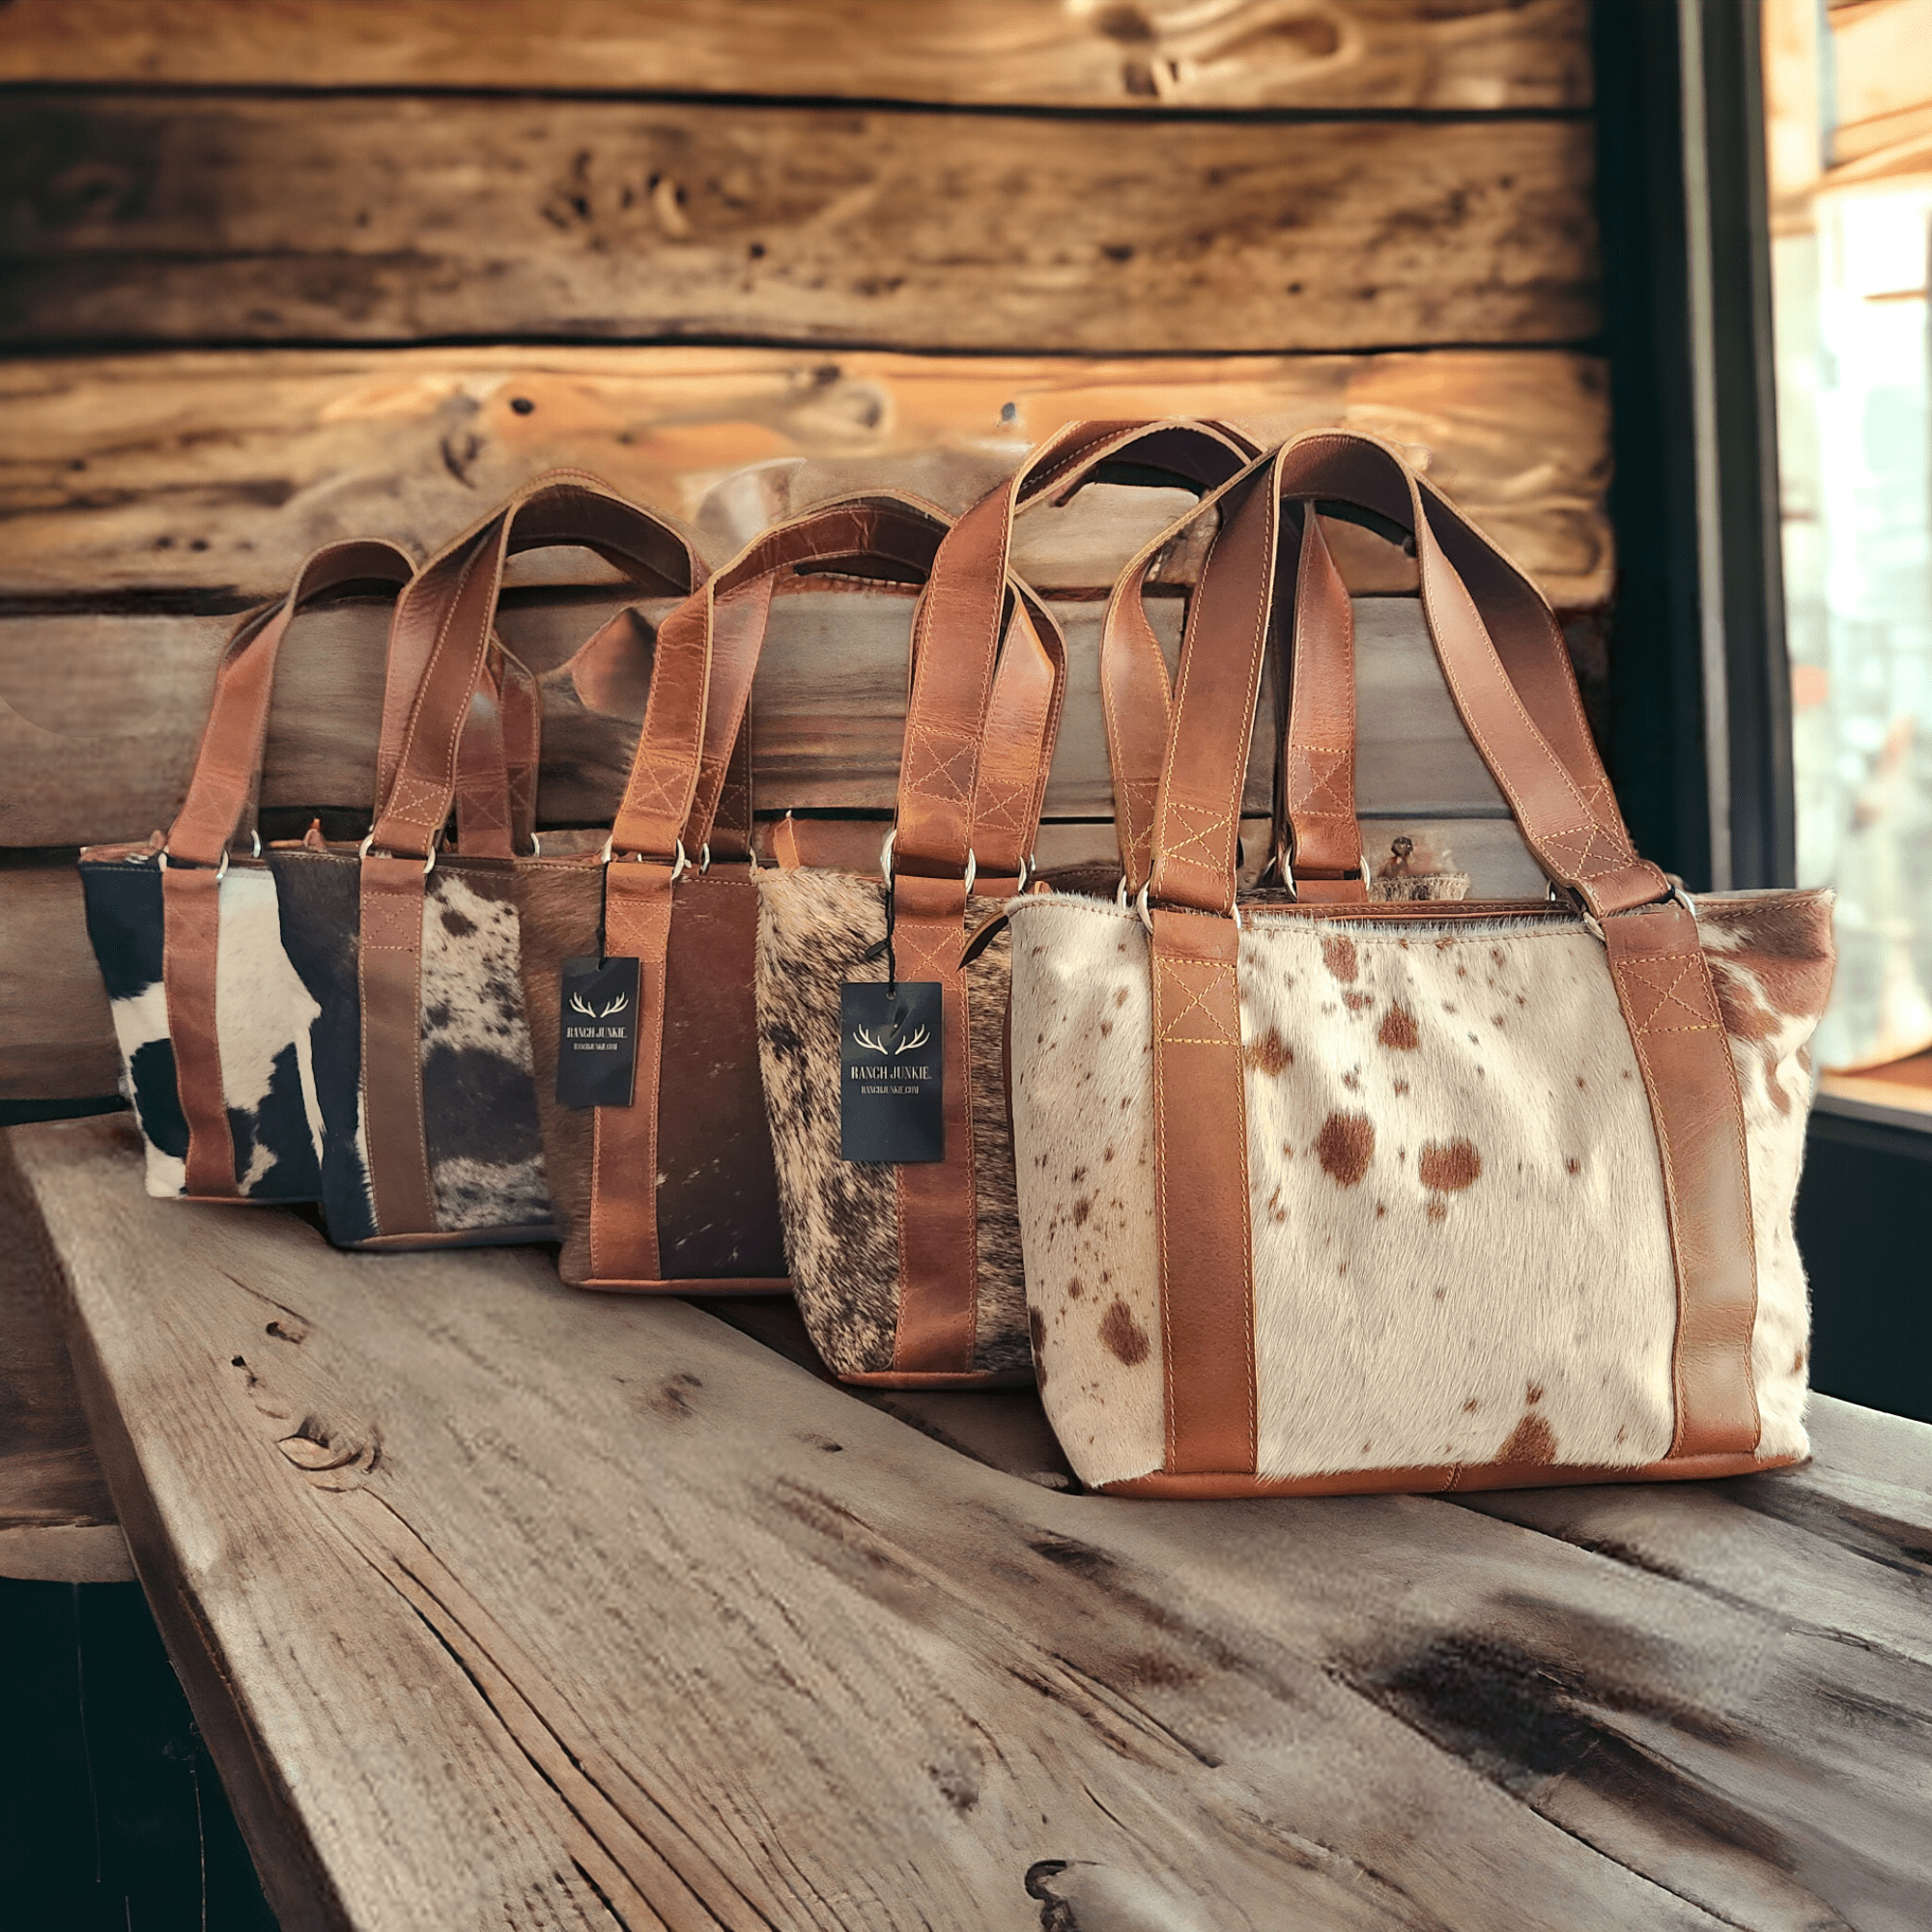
(412, 950)
(213, 1021)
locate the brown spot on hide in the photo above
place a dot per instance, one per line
(1398, 1029)
(1573, 1165)
(1270, 1054)
(1082, 1207)
(1123, 1335)
(1345, 1144)
(1470, 1406)
(1532, 1440)
(1107, 1157)
(1106, 1028)
(1449, 1167)
(1438, 1212)
(1495, 1020)
(1075, 1287)
(1121, 994)
(1352, 1081)
(1533, 1394)
(1402, 1085)
(1338, 954)
(1798, 1363)
(1078, 1175)
(1355, 1002)
(1381, 1209)
(1496, 954)
(1579, 1080)
(1461, 972)
(1036, 1329)
(458, 924)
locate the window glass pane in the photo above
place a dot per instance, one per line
(1849, 151)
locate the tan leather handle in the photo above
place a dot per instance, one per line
(708, 649)
(1517, 697)
(228, 764)
(969, 611)
(497, 761)
(443, 622)
(1315, 763)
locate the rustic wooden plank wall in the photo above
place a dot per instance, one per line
(270, 275)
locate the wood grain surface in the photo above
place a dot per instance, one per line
(102, 715)
(132, 218)
(197, 472)
(56, 1524)
(709, 1643)
(1435, 54)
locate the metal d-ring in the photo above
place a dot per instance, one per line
(680, 863)
(429, 856)
(221, 866)
(1145, 912)
(885, 862)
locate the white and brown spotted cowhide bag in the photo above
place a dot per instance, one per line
(1461, 1256)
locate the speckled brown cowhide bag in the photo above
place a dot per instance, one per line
(1324, 1195)
(409, 949)
(908, 1273)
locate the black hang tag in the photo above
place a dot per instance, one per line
(597, 1032)
(891, 1094)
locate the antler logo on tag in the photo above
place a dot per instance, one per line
(620, 1003)
(910, 1044)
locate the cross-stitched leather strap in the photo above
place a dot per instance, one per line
(970, 611)
(443, 629)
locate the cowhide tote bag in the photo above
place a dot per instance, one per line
(1412, 1195)
(213, 1021)
(639, 961)
(411, 950)
(904, 1247)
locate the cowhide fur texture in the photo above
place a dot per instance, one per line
(1461, 1254)
(840, 1217)
(480, 1102)
(263, 1015)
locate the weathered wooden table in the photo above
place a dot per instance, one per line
(505, 1605)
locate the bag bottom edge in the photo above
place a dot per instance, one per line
(1458, 1479)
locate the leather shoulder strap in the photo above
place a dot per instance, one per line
(966, 615)
(229, 761)
(442, 631)
(881, 535)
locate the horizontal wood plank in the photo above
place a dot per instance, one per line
(198, 473)
(1437, 54)
(56, 1038)
(102, 714)
(231, 218)
(56, 1523)
(710, 1643)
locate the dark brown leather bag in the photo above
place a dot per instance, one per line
(676, 1192)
